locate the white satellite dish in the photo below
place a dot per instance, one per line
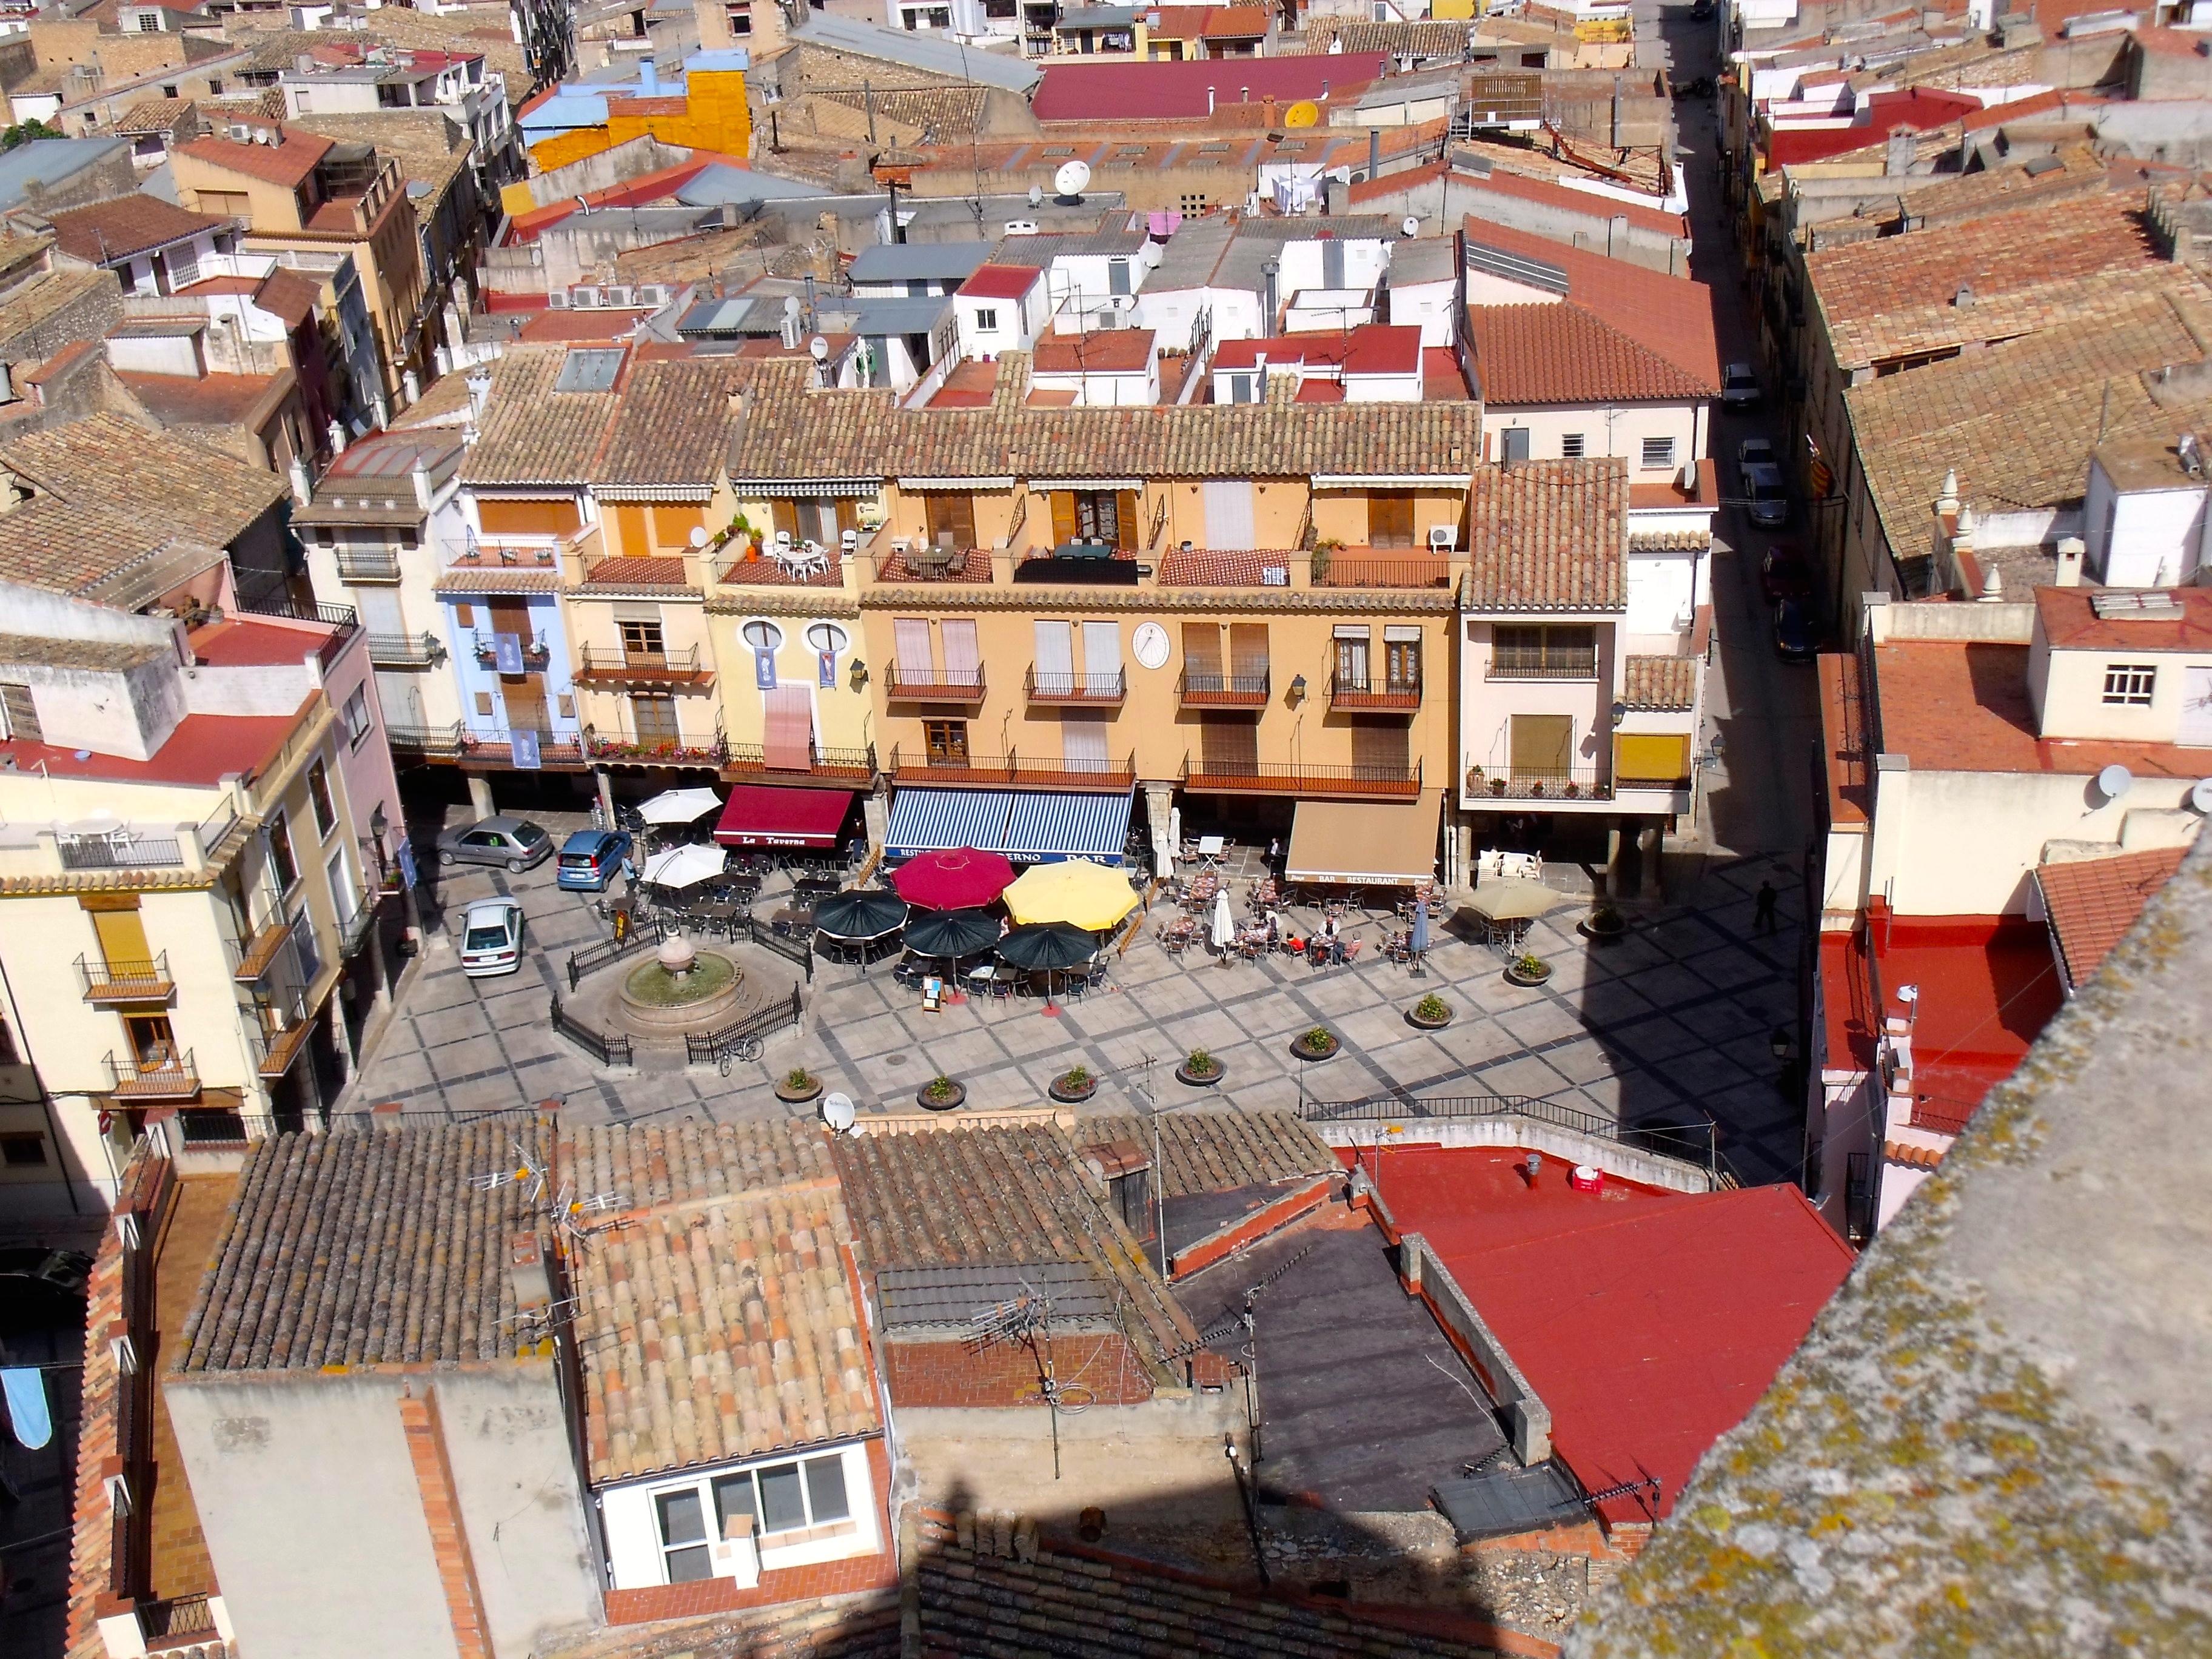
(791, 305)
(2200, 796)
(838, 1113)
(1411, 226)
(2115, 781)
(698, 535)
(1072, 178)
(1036, 195)
(818, 348)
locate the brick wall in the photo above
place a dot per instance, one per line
(1257, 1225)
(711, 1595)
(1005, 1374)
(442, 1509)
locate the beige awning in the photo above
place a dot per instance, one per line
(1364, 843)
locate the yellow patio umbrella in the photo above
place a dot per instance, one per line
(1075, 890)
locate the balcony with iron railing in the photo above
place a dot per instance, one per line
(1092, 690)
(757, 568)
(258, 955)
(606, 665)
(366, 562)
(535, 652)
(422, 650)
(495, 745)
(1361, 781)
(428, 742)
(1209, 687)
(277, 1048)
(1546, 662)
(656, 748)
(841, 765)
(913, 560)
(933, 685)
(107, 983)
(1012, 771)
(169, 1078)
(359, 923)
(1506, 780)
(1359, 691)
(125, 848)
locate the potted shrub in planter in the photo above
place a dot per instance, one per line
(1317, 1043)
(1201, 1070)
(940, 1094)
(1528, 969)
(1498, 786)
(1073, 1086)
(798, 1085)
(1430, 1013)
(1604, 922)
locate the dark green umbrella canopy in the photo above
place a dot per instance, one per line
(951, 932)
(1051, 945)
(860, 913)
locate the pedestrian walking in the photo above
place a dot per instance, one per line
(1762, 916)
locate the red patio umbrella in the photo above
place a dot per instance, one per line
(956, 879)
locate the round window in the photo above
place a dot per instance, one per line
(826, 637)
(763, 636)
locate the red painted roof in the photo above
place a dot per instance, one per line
(1987, 986)
(1370, 348)
(1648, 1322)
(202, 751)
(1001, 282)
(1916, 111)
(256, 643)
(1160, 92)
(582, 324)
(657, 185)
(2070, 622)
(1521, 188)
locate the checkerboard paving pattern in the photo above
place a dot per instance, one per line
(1675, 1019)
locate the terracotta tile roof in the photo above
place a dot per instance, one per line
(173, 486)
(151, 115)
(108, 231)
(1661, 683)
(792, 432)
(1207, 567)
(287, 163)
(716, 1318)
(917, 1200)
(489, 580)
(1563, 354)
(68, 548)
(1669, 316)
(366, 1248)
(634, 576)
(532, 434)
(2009, 418)
(1914, 1157)
(674, 426)
(860, 1625)
(2070, 622)
(1107, 351)
(1425, 38)
(1090, 1604)
(2092, 903)
(210, 400)
(1549, 536)
(2026, 269)
(1219, 1152)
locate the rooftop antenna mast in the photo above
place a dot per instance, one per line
(1024, 1321)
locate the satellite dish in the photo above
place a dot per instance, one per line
(818, 348)
(791, 305)
(698, 535)
(2200, 797)
(1072, 178)
(1304, 113)
(1036, 195)
(2115, 781)
(838, 1113)
(1411, 227)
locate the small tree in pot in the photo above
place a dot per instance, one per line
(1200, 1068)
(1075, 1084)
(1430, 1013)
(1317, 1043)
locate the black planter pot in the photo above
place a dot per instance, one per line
(1298, 1048)
(1602, 932)
(1072, 1093)
(1514, 976)
(1184, 1074)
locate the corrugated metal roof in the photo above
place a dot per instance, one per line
(919, 261)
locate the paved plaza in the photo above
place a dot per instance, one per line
(1672, 1020)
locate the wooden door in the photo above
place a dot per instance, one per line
(523, 697)
(947, 742)
(1248, 656)
(1390, 519)
(1382, 749)
(655, 717)
(1229, 743)
(955, 512)
(1351, 661)
(1201, 655)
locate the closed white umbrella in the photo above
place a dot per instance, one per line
(1175, 831)
(1162, 862)
(683, 866)
(1225, 925)
(680, 806)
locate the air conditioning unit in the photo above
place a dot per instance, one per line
(557, 300)
(584, 298)
(654, 293)
(621, 298)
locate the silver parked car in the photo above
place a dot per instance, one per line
(1739, 385)
(1768, 496)
(491, 937)
(516, 843)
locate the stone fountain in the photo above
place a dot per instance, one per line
(683, 988)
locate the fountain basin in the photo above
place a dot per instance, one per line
(661, 999)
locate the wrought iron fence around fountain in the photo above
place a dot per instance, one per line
(744, 1038)
(644, 931)
(611, 1048)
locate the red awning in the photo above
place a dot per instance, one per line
(760, 815)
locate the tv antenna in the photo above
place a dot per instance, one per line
(1025, 1320)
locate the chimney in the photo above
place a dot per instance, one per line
(1374, 152)
(337, 439)
(526, 1271)
(1897, 159)
(2070, 550)
(479, 392)
(410, 389)
(419, 476)
(1209, 101)
(303, 491)
(648, 79)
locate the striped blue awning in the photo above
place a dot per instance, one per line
(1032, 826)
(1047, 828)
(930, 820)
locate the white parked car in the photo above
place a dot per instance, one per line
(491, 937)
